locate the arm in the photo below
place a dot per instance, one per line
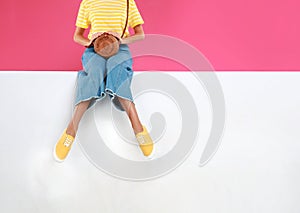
(138, 35)
(80, 38)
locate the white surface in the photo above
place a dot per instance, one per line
(256, 169)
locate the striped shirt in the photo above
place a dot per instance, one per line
(107, 16)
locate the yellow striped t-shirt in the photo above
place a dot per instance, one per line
(107, 15)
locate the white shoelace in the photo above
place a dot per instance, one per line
(141, 139)
(67, 142)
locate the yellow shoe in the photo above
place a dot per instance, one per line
(145, 142)
(63, 147)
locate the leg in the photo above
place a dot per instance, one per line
(142, 135)
(89, 84)
(65, 142)
(132, 114)
(119, 69)
(78, 113)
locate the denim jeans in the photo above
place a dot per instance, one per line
(102, 76)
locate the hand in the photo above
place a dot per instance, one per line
(120, 41)
(95, 35)
(89, 44)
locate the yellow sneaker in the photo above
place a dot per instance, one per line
(145, 142)
(63, 147)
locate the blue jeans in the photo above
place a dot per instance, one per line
(102, 76)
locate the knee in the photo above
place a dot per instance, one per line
(122, 100)
(126, 104)
(84, 104)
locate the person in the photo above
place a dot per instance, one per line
(101, 76)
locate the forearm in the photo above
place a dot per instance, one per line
(80, 39)
(132, 39)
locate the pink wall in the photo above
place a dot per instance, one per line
(232, 34)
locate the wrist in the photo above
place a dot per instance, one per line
(120, 41)
(123, 41)
(88, 44)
